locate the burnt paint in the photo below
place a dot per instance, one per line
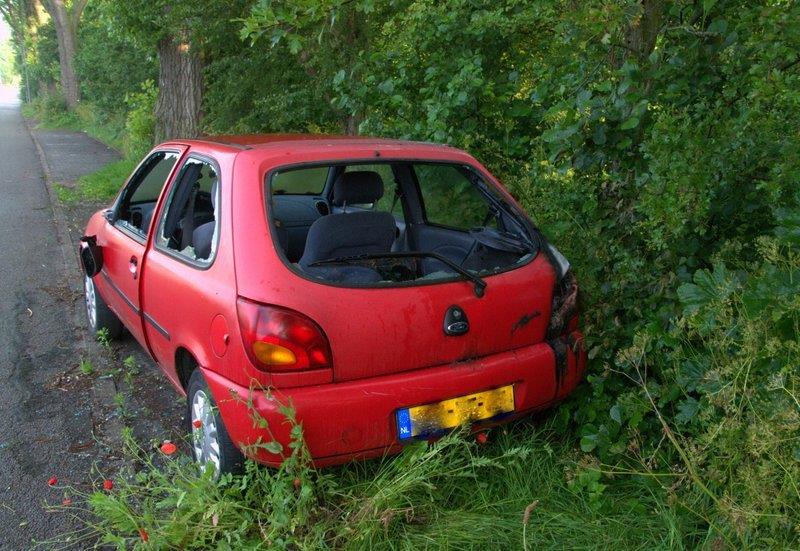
(525, 320)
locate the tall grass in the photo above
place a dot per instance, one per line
(529, 489)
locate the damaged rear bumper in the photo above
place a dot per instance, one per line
(356, 419)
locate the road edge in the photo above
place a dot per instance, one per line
(59, 218)
(103, 394)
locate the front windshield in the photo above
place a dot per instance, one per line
(396, 222)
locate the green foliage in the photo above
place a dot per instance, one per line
(41, 60)
(451, 494)
(50, 112)
(86, 367)
(8, 71)
(100, 186)
(104, 338)
(140, 122)
(654, 142)
(111, 64)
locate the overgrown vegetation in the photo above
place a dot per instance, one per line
(530, 489)
(654, 141)
(8, 74)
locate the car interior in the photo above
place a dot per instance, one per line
(189, 223)
(394, 222)
(134, 208)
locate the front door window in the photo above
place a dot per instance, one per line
(134, 209)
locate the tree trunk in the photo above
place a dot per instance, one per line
(180, 90)
(350, 126)
(66, 31)
(643, 32)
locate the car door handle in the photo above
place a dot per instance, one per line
(133, 266)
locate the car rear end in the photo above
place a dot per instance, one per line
(367, 368)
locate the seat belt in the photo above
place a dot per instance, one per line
(187, 227)
(397, 195)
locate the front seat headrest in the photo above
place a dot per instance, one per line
(357, 188)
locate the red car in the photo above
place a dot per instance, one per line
(386, 290)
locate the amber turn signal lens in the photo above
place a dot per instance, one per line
(273, 354)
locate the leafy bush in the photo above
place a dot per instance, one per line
(140, 122)
(8, 73)
(106, 84)
(654, 142)
(50, 111)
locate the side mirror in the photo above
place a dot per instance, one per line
(108, 214)
(91, 255)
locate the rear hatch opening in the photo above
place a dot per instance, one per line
(394, 246)
(395, 223)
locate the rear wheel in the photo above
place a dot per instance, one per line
(99, 315)
(210, 441)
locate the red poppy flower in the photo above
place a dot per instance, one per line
(67, 502)
(143, 534)
(53, 481)
(297, 483)
(108, 484)
(197, 423)
(168, 448)
(481, 438)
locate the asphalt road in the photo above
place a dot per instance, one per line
(45, 424)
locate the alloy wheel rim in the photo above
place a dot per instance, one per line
(91, 305)
(205, 441)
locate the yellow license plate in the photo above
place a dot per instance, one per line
(448, 414)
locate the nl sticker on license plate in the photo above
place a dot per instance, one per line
(448, 414)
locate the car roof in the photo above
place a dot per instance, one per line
(263, 141)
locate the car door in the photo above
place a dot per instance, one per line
(125, 234)
(187, 286)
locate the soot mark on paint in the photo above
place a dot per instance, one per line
(525, 320)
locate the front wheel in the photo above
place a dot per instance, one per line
(99, 315)
(211, 443)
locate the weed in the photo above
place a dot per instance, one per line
(119, 401)
(131, 369)
(86, 367)
(130, 365)
(104, 338)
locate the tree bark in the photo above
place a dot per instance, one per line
(66, 25)
(180, 90)
(643, 32)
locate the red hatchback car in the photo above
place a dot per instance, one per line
(386, 290)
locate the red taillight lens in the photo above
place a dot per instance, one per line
(278, 339)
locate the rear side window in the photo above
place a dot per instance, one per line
(138, 199)
(449, 198)
(304, 181)
(189, 227)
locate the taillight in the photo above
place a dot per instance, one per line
(563, 315)
(279, 340)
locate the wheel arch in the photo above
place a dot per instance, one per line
(185, 364)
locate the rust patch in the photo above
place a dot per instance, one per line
(525, 320)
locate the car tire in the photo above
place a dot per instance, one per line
(210, 440)
(100, 316)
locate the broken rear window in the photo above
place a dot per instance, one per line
(397, 222)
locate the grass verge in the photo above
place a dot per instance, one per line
(527, 489)
(99, 186)
(104, 184)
